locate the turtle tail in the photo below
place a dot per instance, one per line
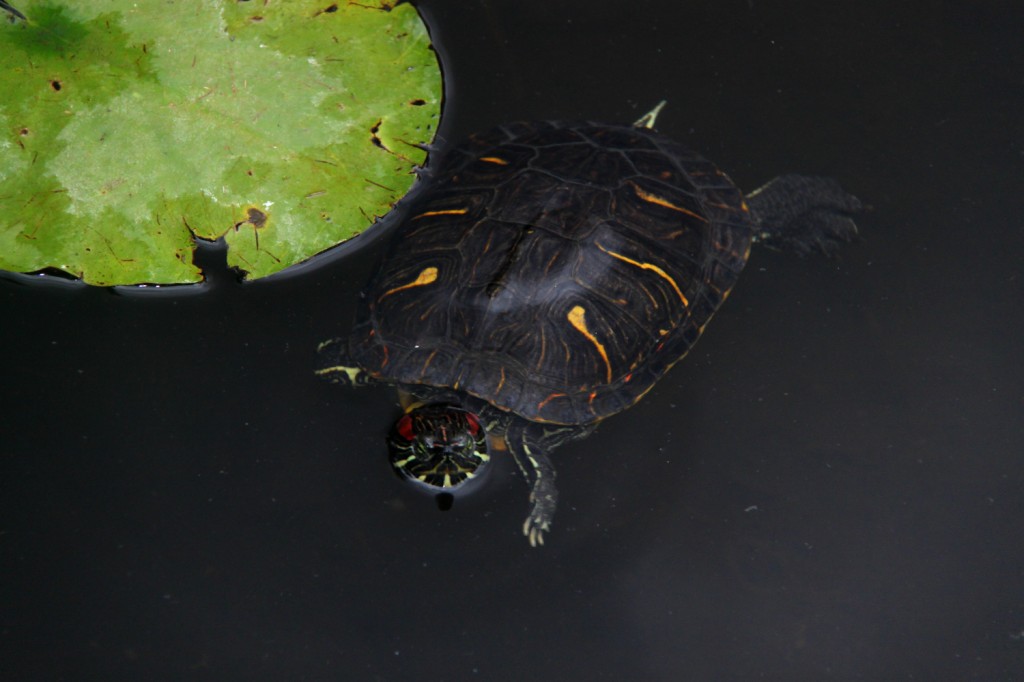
(804, 214)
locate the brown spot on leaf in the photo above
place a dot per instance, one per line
(256, 217)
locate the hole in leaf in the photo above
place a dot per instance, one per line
(373, 133)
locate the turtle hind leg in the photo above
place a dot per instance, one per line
(804, 214)
(335, 365)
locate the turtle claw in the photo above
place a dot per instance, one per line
(534, 530)
(539, 520)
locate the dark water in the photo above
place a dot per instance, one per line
(829, 487)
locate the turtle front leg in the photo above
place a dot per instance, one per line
(530, 444)
(543, 493)
(335, 365)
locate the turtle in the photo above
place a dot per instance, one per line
(545, 279)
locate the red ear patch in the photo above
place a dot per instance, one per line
(404, 427)
(474, 425)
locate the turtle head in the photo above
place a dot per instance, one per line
(441, 446)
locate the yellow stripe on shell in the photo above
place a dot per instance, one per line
(426, 276)
(447, 211)
(577, 319)
(661, 201)
(653, 268)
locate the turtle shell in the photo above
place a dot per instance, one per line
(555, 270)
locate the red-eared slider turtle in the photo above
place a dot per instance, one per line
(551, 274)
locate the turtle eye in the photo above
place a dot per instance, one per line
(472, 424)
(404, 427)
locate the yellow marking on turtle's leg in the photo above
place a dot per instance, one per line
(653, 268)
(535, 533)
(426, 276)
(351, 372)
(577, 319)
(447, 211)
(661, 201)
(648, 119)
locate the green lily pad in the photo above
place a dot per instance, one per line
(129, 128)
